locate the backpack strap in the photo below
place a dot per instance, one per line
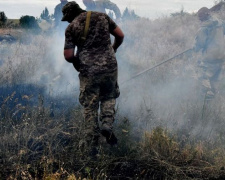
(86, 28)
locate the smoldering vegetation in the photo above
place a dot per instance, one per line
(165, 128)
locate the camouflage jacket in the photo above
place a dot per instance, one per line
(58, 12)
(210, 40)
(96, 54)
(101, 5)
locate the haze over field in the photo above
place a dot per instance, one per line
(165, 127)
(14, 9)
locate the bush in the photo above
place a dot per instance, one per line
(28, 22)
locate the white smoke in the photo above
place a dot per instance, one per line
(167, 96)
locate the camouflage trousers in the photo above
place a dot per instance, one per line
(209, 78)
(98, 92)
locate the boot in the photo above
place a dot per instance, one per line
(107, 132)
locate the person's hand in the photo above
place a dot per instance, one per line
(76, 64)
(114, 49)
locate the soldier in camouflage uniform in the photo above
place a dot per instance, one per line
(101, 5)
(210, 41)
(58, 12)
(97, 66)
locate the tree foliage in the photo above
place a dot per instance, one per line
(181, 13)
(45, 14)
(129, 15)
(3, 18)
(110, 14)
(28, 22)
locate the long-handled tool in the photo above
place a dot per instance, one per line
(184, 52)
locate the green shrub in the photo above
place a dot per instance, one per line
(28, 22)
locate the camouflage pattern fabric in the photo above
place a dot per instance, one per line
(210, 41)
(98, 70)
(96, 54)
(102, 89)
(58, 13)
(101, 5)
(210, 76)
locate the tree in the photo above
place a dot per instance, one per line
(45, 14)
(3, 18)
(28, 22)
(110, 14)
(129, 15)
(181, 13)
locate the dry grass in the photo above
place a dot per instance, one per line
(14, 32)
(38, 146)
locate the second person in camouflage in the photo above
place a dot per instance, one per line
(101, 5)
(210, 41)
(58, 15)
